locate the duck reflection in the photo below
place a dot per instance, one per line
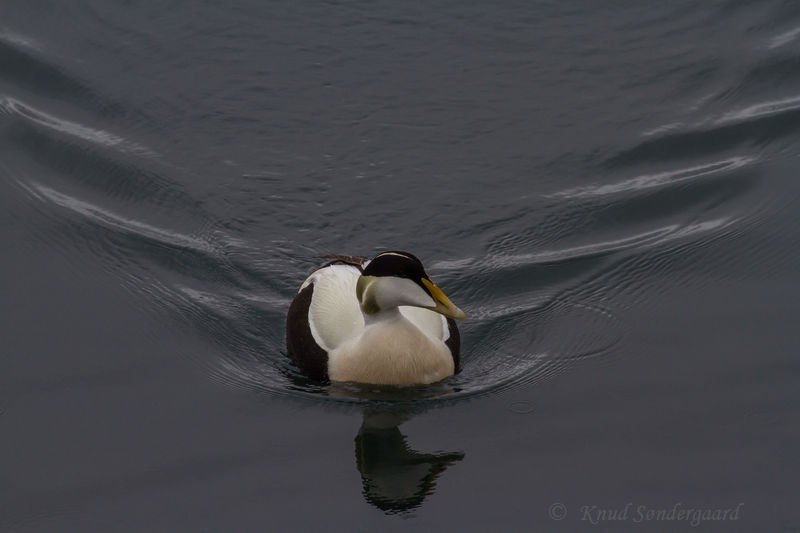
(396, 477)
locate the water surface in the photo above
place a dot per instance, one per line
(609, 191)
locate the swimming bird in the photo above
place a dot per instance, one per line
(380, 321)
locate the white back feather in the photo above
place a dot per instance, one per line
(334, 315)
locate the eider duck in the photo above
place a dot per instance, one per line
(381, 322)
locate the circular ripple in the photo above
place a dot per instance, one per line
(524, 348)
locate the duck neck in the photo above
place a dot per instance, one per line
(384, 315)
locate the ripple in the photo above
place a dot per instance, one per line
(72, 155)
(660, 179)
(129, 245)
(510, 340)
(544, 295)
(648, 238)
(115, 221)
(13, 106)
(15, 39)
(760, 111)
(760, 122)
(485, 368)
(784, 38)
(538, 313)
(529, 347)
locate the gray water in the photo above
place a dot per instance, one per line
(608, 189)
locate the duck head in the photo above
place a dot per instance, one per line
(395, 278)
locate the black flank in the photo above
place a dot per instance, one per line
(454, 342)
(303, 350)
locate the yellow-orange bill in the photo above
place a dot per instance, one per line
(443, 304)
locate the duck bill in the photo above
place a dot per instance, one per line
(443, 304)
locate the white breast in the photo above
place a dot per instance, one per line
(393, 351)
